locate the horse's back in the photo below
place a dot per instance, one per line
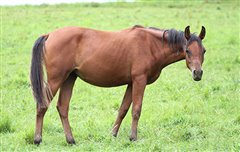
(98, 57)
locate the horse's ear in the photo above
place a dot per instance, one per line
(202, 33)
(187, 32)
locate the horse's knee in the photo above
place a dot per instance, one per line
(41, 111)
(136, 114)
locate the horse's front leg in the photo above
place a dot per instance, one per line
(139, 84)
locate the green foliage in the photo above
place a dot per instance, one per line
(178, 114)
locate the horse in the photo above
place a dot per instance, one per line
(134, 57)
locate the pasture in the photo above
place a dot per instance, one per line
(178, 114)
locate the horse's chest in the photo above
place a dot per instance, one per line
(152, 78)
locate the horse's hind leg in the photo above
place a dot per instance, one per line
(39, 122)
(63, 105)
(54, 85)
(127, 100)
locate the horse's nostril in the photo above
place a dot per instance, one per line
(194, 72)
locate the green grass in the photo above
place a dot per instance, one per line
(178, 114)
(5, 126)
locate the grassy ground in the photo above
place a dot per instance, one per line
(178, 113)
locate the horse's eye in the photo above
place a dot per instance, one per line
(204, 51)
(188, 52)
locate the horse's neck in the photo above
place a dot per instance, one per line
(166, 56)
(172, 57)
(163, 52)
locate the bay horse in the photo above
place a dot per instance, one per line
(132, 57)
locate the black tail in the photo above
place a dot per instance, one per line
(39, 87)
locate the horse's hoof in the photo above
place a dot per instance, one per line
(114, 134)
(132, 138)
(37, 141)
(71, 142)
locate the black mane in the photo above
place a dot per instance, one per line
(177, 37)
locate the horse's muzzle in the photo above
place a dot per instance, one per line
(197, 75)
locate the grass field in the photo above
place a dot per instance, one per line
(178, 114)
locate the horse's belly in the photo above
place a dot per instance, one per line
(104, 81)
(104, 77)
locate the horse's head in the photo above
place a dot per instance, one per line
(194, 52)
